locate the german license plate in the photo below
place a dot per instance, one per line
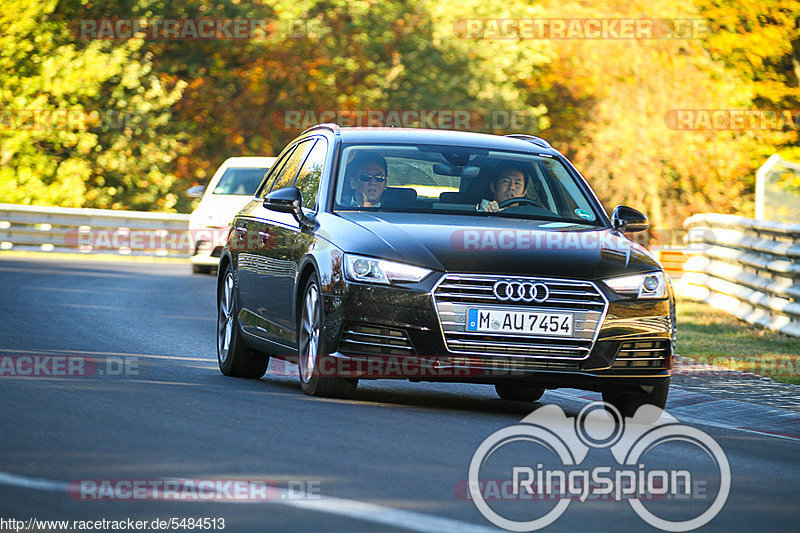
(520, 322)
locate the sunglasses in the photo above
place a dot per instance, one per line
(367, 177)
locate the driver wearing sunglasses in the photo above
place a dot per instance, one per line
(368, 180)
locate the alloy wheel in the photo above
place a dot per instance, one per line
(309, 334)
(225, 319)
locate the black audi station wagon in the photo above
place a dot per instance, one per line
(435, 255)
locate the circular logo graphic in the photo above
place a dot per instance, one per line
(493, 443)
(598, 425)
(520, 291)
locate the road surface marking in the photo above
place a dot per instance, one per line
(370, 512)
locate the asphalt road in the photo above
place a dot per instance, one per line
(147, 403)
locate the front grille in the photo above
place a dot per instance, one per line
(477, 290)
(642, 354)
(505, 344)
(501, 364)
(363, 339)
(456, 293)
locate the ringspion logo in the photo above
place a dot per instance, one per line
(558, 444)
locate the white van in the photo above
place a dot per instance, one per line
(231, 188)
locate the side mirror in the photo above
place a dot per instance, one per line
(628, 220)
(196, 191)
(288, 200)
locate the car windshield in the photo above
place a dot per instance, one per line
(242, 181)
(460, 180)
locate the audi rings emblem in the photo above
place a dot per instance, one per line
(521, 291)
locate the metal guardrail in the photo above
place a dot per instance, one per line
(97, 231)
(750, 268)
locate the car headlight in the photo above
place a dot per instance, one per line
(371, 270)
(650, 285)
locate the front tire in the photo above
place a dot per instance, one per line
(311, 348)
(628, 403)
(234, 358)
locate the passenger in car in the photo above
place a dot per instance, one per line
(368, 180)
(509, 182)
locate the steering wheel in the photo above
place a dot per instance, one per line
(521, 200)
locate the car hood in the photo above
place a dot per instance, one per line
(218, 210)
(491, 245)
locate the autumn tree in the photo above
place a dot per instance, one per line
(613, 103)
(84, 123)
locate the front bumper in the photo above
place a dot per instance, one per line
(209, 258)
(205, 254)
(207, 244)
(397, 332)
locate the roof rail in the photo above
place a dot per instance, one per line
(326, 125)
(530, 138)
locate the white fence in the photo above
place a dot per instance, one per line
(750, 268)
(63, 229)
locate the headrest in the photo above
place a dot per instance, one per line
(399, 196)
(450, 197)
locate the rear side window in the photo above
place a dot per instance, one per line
(286, 175)
(274, 171)
(311, 173)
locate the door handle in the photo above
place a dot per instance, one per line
(241, 231)
(263, 237)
